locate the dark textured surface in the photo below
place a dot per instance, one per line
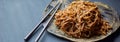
(19, 17)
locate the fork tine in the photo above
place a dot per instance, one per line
(36, 27)
(46, 23)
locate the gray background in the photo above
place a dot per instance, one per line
(19, 17)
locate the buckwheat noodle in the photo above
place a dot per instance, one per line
(81, 19)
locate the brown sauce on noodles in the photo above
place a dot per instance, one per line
(81, 19)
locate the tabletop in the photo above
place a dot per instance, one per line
(19, 17)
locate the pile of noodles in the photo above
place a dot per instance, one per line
(81, 19)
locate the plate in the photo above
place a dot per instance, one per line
(108, 13)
